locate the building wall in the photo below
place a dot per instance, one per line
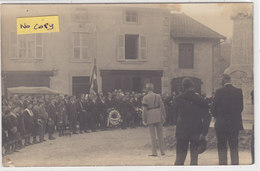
(104, 24)
(109, 24)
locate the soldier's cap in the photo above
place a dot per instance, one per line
(226, 77)
(187, 83)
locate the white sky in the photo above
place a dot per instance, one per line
(217, 16)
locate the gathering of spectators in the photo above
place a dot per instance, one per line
(28, 118)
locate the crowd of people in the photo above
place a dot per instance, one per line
(27, 118)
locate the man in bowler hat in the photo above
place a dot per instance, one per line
(154, 116)
(227, 108)
(192, 122)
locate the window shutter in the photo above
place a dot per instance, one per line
(121, 47)
(13, 45)
(143, 47)
(39, 46)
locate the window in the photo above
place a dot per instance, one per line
(28, 46)
(131, 17)
(132, 47)
(186, 55)
(81, 43)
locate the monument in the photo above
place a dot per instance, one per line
(241, 66)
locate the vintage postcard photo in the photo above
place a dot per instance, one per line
(127, 84)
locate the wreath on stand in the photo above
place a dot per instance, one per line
(114, 118)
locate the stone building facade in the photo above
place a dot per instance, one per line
(132, 45)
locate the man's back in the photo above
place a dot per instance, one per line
(155, 111)
(191, 109)
(227, 107)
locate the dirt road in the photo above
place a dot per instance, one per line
(113, 147)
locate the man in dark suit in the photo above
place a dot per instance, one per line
(227, 108)
(192, 122)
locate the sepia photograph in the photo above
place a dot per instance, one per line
(127, 84)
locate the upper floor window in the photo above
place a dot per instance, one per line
(26, 46)
(186, 55)
(131, 16)
(132, 47)
(81, 50)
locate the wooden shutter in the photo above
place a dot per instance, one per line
(142, 47)
(13, 45)
(39, 46)
(121, 47)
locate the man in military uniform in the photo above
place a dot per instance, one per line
(192, 123)
(154, 116)
(227, 108)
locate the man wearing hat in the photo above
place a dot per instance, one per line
(154, 116)
(192, 123)
(227, 108)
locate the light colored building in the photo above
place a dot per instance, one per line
(132, 45)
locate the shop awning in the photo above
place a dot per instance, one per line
(31, 90)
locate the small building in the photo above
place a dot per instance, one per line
(132, 45)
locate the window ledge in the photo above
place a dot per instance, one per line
(131, 23)
(80, 61)
(131, 61)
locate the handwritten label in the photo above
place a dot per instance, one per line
(31, 25)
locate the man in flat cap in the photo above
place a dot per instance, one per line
(192, 122)
(227, 108)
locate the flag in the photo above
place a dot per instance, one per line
(93, 82)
